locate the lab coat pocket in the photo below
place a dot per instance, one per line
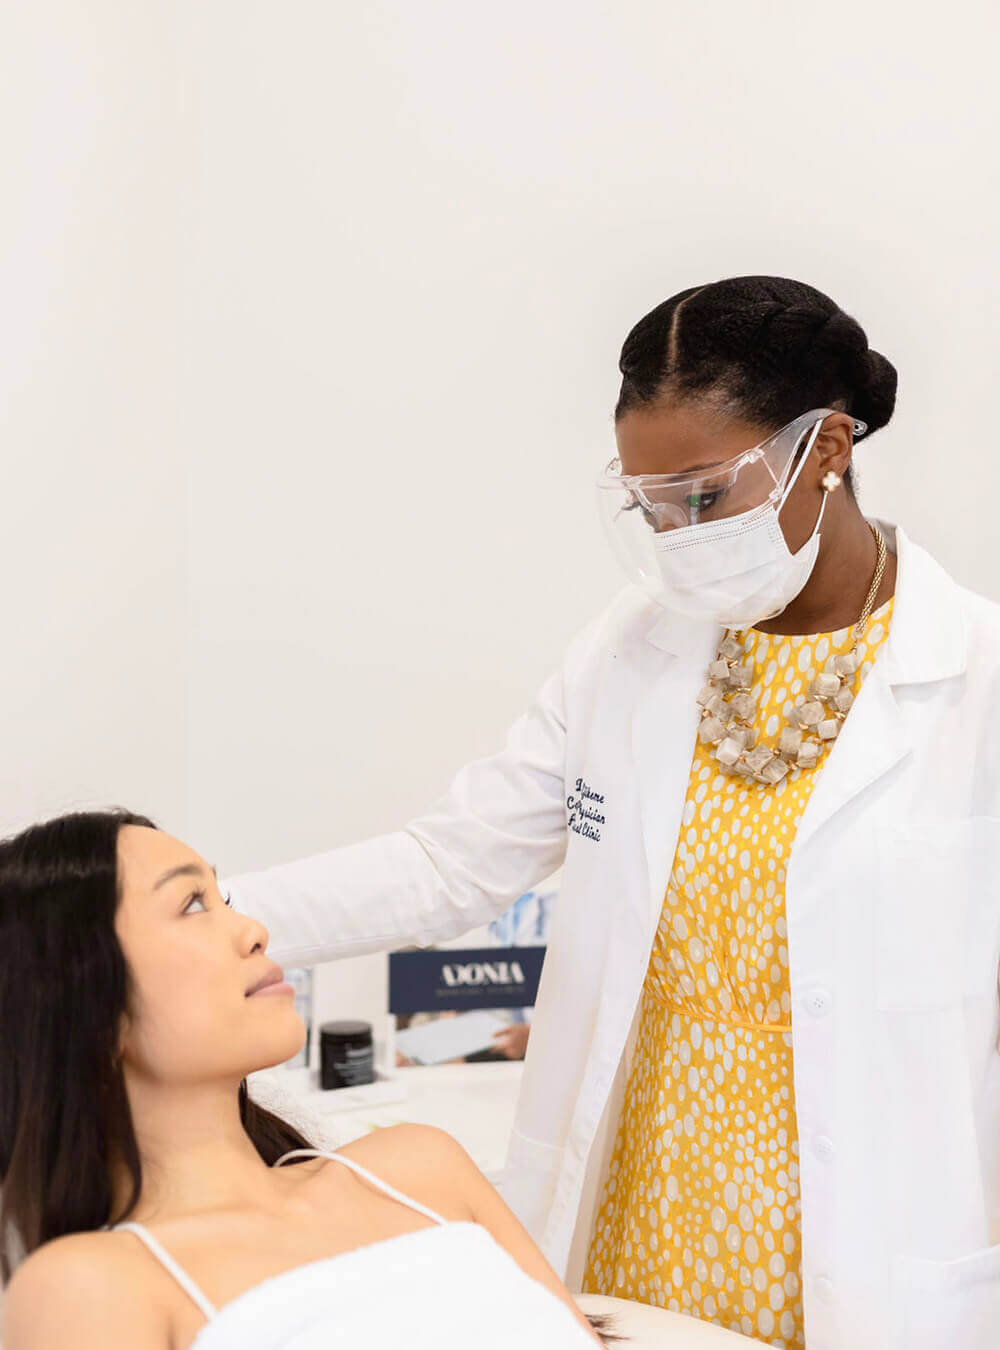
(938, 1304)
(937, 914)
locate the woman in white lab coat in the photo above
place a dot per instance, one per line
(763, 1084)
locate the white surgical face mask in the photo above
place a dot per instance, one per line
(738, 571)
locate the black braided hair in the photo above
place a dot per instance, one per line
(761, 349)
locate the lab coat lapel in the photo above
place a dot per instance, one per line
(873, 740)
(664, 727)
(926, 642)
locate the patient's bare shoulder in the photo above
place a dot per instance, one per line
(87, 1290)
(423, 1162)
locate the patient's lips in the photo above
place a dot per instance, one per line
(271, 982)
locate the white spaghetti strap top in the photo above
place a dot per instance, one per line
(177, 1271)
(185, 1280)
(369, 1176)
(436, 1288)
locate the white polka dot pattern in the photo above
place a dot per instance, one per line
(700, 1208)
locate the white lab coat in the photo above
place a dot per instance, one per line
(893, 913)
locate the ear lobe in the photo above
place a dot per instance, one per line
(834, 446)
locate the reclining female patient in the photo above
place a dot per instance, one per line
(129, 1023)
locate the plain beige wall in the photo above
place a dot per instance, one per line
(92, 541)
(414, 238)
(310, 328)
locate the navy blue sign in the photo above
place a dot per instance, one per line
(459, 980)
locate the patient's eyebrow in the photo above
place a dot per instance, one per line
(185, 870)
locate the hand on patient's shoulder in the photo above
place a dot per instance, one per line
(84, 1291)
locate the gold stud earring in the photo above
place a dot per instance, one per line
(831, 481)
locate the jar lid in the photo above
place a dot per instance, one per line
(346, 1030)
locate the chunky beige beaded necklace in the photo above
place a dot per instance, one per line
(728, 704)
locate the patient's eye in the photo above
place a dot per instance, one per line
(200, 897)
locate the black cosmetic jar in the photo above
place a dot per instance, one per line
(346, 1054)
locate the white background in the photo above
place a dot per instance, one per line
(310, 322)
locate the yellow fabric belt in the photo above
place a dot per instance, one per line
(772, 1028)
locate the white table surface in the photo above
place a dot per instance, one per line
(474, 1102)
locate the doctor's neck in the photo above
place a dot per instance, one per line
(835, 593)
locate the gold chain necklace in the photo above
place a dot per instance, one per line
(728, 704)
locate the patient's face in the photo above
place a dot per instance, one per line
(192, 960)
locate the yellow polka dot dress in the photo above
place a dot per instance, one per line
(700, 1207)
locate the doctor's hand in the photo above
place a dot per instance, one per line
(513, 1040)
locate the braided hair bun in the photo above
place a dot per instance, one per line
(764, 349)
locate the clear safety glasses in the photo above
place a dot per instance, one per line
(670, 501)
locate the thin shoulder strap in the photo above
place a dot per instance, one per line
(179, 1274)
(369, 1176)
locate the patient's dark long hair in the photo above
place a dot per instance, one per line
(64, 985)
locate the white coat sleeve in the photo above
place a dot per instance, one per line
(499, 829)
